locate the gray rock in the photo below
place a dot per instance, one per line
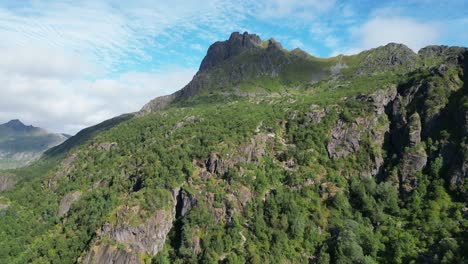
(67, 201)
(414, 129)
(147, 238)
(380, 99)
(214, 164)
(412, 161)
(111, 254)
(223, 50)
(158, 103)
(7, 181)
(344, 139)
(185, 202)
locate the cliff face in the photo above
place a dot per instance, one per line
(245, 58)
(121, 242)
(235, 45)
(7, 181)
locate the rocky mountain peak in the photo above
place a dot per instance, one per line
(223, 50)
(16, 124)
(393, 56)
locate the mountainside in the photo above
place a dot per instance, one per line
(266, 156)
(20, 144)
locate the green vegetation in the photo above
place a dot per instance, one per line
(259, 170)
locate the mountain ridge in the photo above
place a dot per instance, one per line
(392, 55)
(267, 156)
(21, 144)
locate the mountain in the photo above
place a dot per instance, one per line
(266, 156)
(20, 144)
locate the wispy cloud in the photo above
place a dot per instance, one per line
(108, 32)
(67, 105)
(70, 64)
(380, 31)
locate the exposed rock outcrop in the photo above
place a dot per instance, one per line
(7, 181)
(158, 103)
(106, 146)
(315, 115)
(414, 129)
(345, 139)
(223, 50)
(147, 238)
(412, 161)
(446, 54)
(67, 201)
(185, 202)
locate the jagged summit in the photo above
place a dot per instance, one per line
(17, 125)
(223, 50)
(14, 123)
(245, 64)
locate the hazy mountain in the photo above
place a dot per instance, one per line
(20, 144)
(266, 156)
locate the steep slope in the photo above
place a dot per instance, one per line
(20, 144)
(258, 160)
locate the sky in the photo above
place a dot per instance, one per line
(66, 65)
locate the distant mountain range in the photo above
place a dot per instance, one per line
(21, 144)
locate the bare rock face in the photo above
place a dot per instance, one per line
(111, 254)
(412, 162)
(147, 238)
(7, 181)
(185, 202)
(158, 103)
(214, 164)
(67, 201)
(345, 139)
(414, 127)
(236, 44)
(380, 99)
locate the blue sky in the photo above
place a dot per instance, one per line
(70, 64)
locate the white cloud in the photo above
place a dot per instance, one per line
(381, 30)
(69, 105)
(197, 47)
(107, 32)
(65, 65)
(274, 9)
